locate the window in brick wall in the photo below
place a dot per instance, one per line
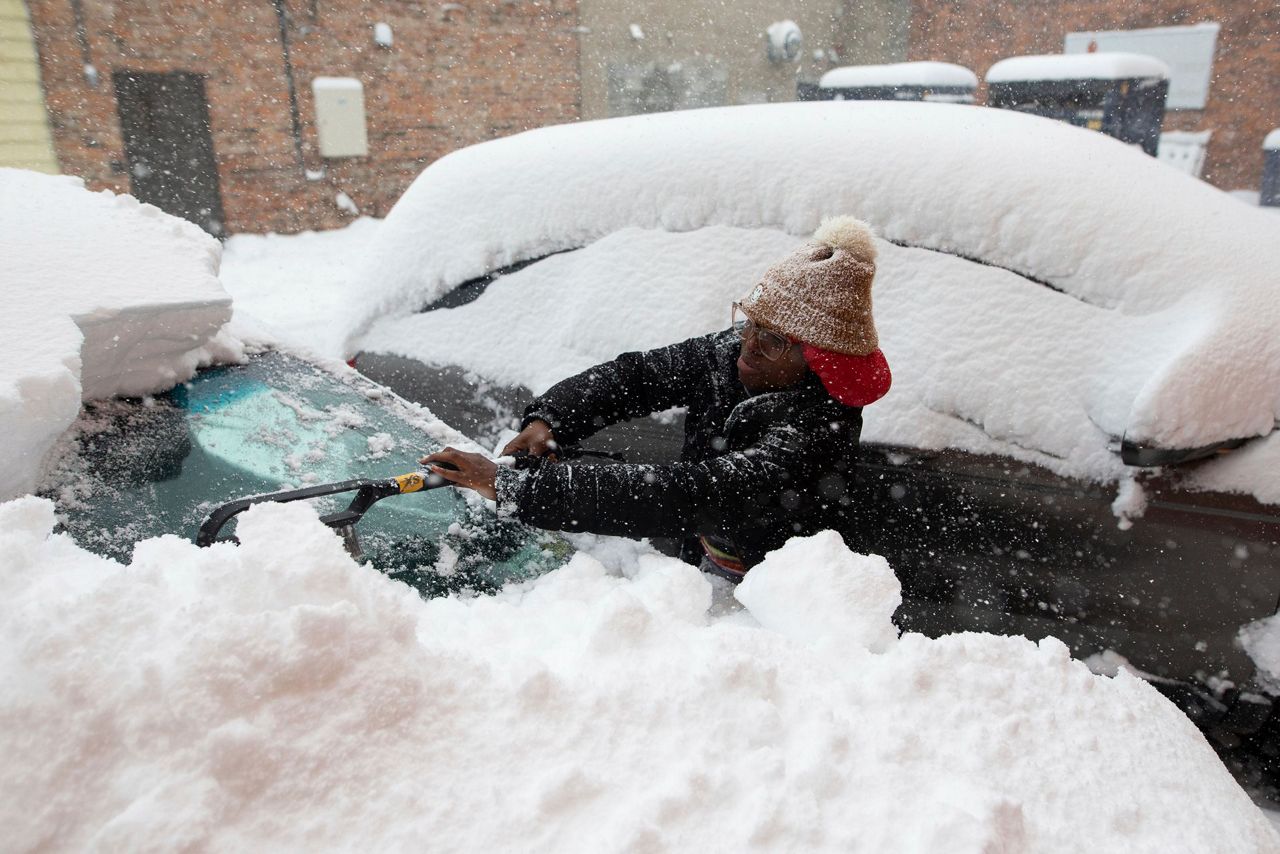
(656, 87)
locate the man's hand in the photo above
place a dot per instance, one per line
(536, 440)
(472, 471)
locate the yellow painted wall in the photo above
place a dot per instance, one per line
(24, 124)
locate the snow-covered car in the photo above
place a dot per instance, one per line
(200, 697)
(1081, 439)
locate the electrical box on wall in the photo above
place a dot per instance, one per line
(340, 116)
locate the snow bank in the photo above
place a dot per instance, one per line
(294, 287)
(1103, 225)
(104, 296)
(240, 697)
(1077, 66)
(900, 74)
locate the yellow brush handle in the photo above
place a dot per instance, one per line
(411, 482)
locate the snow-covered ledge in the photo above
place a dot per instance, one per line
(104, 296)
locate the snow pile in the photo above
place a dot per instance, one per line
(1171, 278)
(859, 595)
(294, 288)
(103, 296)
(241, 697)
(900, 74)
(1078, 66)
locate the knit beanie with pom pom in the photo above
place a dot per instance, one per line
(821, 295)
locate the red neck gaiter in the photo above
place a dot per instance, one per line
(852, 380)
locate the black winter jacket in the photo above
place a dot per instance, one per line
(754, 470)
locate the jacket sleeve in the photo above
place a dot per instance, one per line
(632, 385)
(653, 500)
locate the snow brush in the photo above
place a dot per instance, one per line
(367, 494)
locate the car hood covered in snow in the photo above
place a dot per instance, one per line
(1112, 296)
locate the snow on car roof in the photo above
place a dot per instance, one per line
(104, 296)
(1077, 66)
(900, 74)
(1152, 313)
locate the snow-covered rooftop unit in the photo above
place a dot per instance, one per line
(1078, 66)
(900, 81)
(1121, 94)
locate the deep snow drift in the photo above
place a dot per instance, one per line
(293, 289)
(1153, 292)
(104, 296)
(234, 697)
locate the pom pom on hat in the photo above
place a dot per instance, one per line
(850, 234)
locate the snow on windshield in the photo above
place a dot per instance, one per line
(104, 296)
(207, 699)
(1158, 289)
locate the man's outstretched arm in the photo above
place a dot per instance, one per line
(632, 385)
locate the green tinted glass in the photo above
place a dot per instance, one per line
(131, 470)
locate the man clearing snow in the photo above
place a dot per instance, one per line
(771, 436)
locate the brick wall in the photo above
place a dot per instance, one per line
(1244, 94)
(453, 76)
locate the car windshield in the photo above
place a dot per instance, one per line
(134, 469)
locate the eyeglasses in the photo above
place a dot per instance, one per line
(771, 344)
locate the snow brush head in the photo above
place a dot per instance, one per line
(821, 293)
